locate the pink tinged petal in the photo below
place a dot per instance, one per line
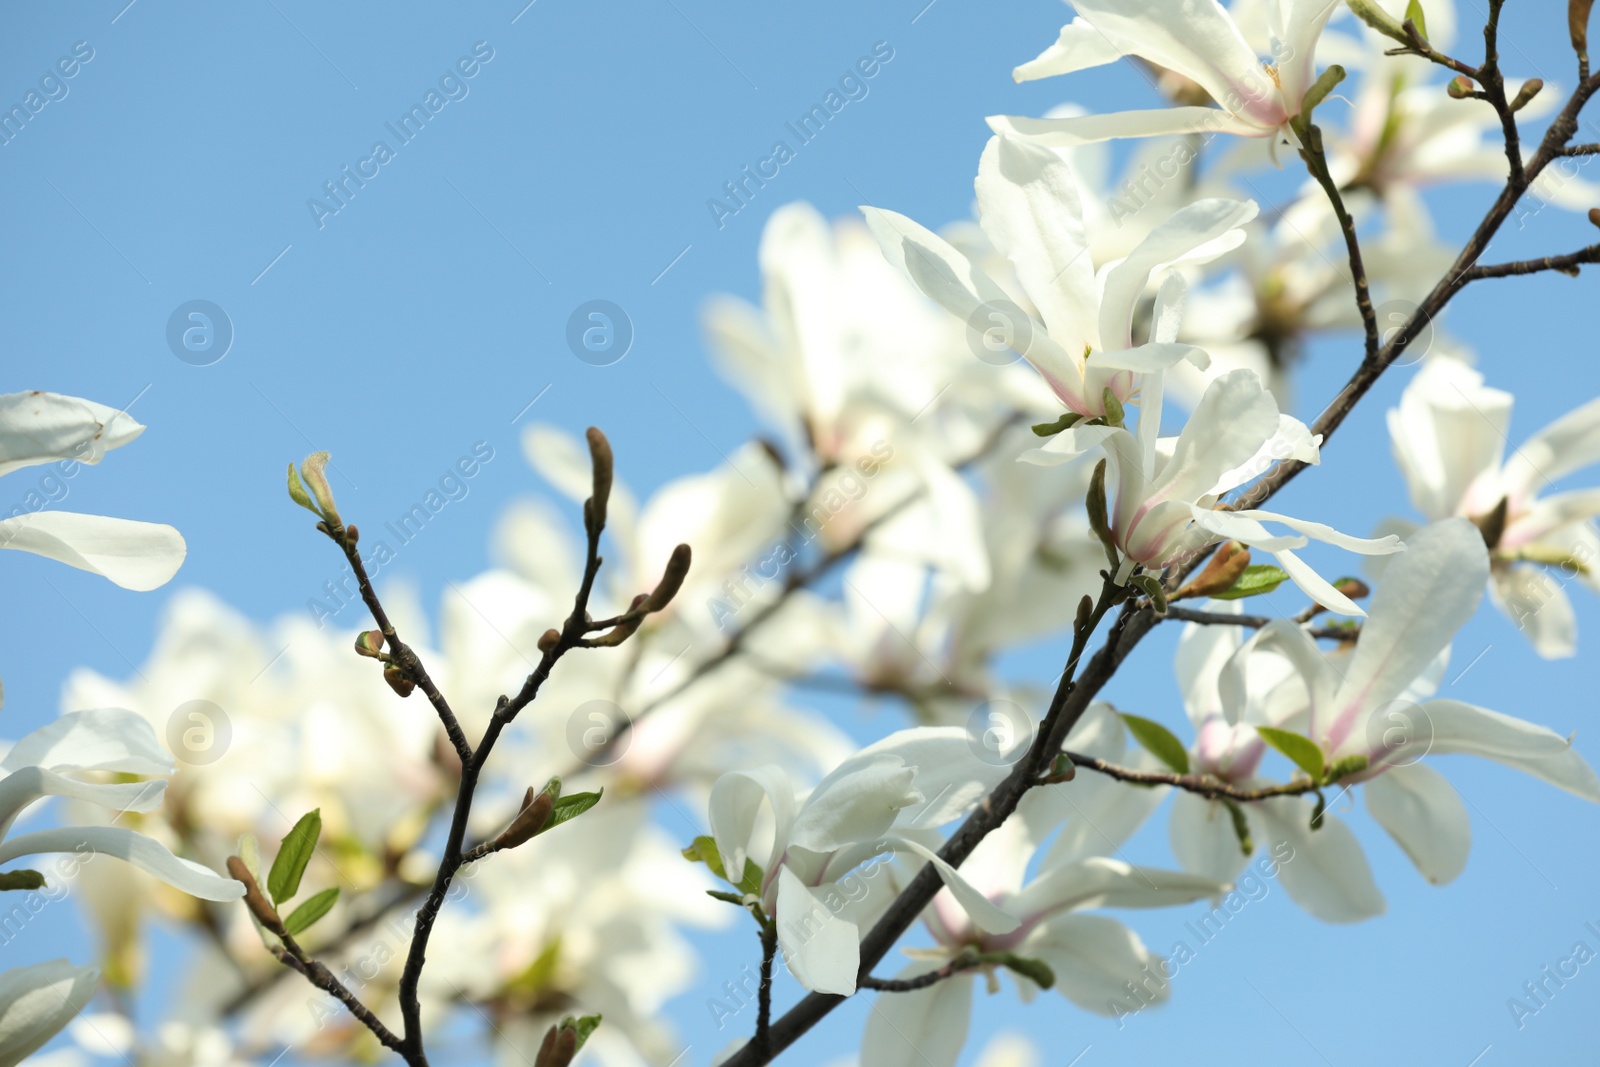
(1448, 432)
(1286, 639)
(1101, 813)
(1533, 598)
(144, 853)
(1079, 47)
(1566, 445)
(1091, 129)
(1099, 882)
(923, 1028)
(1211, 225)
(135, 555)
(103, 739)
(1466, 729)
(952, 281)
(984, 913)
(1297, 25)
(822, 951)
(1203, 839)
(1421, 811)
(1094, 959)
(1029, 206)
(41, 427)
(1327, 873)
(1549, 515)
(36, 1002)
(1428, 592)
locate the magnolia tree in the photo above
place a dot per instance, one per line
(1105, 469)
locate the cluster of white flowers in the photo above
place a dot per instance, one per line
(973, 448)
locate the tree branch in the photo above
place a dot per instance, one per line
(1256, 622)
(1567, 264)
(1204, 785)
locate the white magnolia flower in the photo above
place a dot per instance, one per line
(48, 762)
(1092, 957)
(1165, 493)
(37, 428)
(1082, 342)
(1196, 39)
(1449, 438)
(1374, 704)
(911, 780)
(37, 1001)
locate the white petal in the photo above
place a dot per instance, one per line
(125, 844)
(1203, 839)
(823, 951)
(1532, 598)
(922, 1028)
(1247, 531)
(1367, 546)
(1196, 226)
(856, 806)
(1079, 47)
(23, 787)
(1427, 593)
(1537, 750)
(1327, 874)
(951, 779)
(1028, 202)
(1316, 586)
(1094, 958)
(135, 555)
(37, 1001)
(1233, 418)
(1147, 359)
(735, 804)
(1089, 129)
(1293, 441)
(1571, 442)
(103, 739)
(1100, 882)
(984, 913)
(1425, 816)
(44, 427)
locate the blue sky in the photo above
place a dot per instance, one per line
(575, 165)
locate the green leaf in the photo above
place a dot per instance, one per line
(753, 874)
(722, 894)
(1151, 587)
(1414, 13)
(1373, 14)
(23, 879)
(297, 492)
(1160, 741)
(704, 850)
(308, 913)
(584, 1025)
(541, 973)
(1258, 578)
(1349, 765)
(1306, 753)
(1050, 429)
(570, 807)
(284, 880)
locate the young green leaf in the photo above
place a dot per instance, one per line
(283, 881)
(1305, 752)
(704, 850)
(305, 915)
(1160, 741)
(584, 1025)
(1414, 13)
(570, 807)
(1257, 578)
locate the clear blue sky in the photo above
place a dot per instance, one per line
(431, 309)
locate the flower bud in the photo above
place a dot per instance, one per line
(1220, 573)
(1594, 216)
(549, 639)
(601, 459)
(1578, 26)
(671, 581)
(529, 821)
(370, 644)
(398, 680)
(315, 472)
(1460, 87)
(1529, 90)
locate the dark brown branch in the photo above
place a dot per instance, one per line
(1256, 622)
(769, 951)
(294, 957)
(1581, 150)
(399, 652)
(1567, 264)
(1204, 785)
(1317, 163)
(967, 961)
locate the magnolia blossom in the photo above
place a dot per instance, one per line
(868, 806)
(1165, 494)
(49, 761)
(1082, 342)
(38, 428)
(1092, 958)
(1373, 703)
(1196, 39)
(1449, 438)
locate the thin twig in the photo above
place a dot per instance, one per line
(1567, 264)
(1204, 785)
(1256, 622)
(959, 965)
